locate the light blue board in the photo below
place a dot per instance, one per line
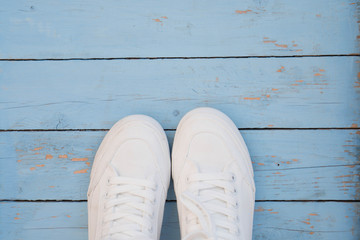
(272, 220)
(168, 28)
(288, 164)
(255, 93)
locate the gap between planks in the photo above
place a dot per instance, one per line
(170, 129)
(84, 200)
(162, 58)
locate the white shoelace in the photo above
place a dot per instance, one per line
(129, 209)
(213, 207)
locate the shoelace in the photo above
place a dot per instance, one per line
(129, 209)
(211, 201)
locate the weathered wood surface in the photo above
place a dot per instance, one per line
(256, 93)
(273, 220)
(288, 164)
(110, 29)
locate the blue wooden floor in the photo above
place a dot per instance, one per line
(287, 73)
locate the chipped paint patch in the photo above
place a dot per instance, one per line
(313, 214)
(89, 149)
(156, 20)
(80, 171)
(318, 74)
(40, 165)
(261, 164)
(16, 218)
(281, 69)
(274, 89)
(281, 45)
(354, 125)
(79, 159)
(51, 186)
(32, 168)
(269, 41)
(68, 216)
(251, 98)
(63, 156)
(243, 12)
(48, 156)
(38, 148)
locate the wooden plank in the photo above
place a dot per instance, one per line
(108, 29)
(289, 164)
(273, 220)
(255, 93)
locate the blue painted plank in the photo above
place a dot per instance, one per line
(255, 93)
(105, 29)
(288, 164)
(272, 220)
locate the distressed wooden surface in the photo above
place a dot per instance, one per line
(256, 93)
(272, 220)
(288, 164)
(191, 28)
(307, 180)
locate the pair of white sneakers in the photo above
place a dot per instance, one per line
(211, 169)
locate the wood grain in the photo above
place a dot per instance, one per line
(272, 220)
(288, 164)
(255, 93)
(107, 29)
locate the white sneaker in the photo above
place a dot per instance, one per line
(129, 181)
(213, 177)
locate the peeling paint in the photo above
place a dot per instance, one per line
(251, 98)
(48, 156)
(80, 171)
(63, 156)
(281, 45)
(242, 12)
(79, 159)
(38, 148)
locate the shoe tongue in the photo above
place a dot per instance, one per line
(133, 159)
(209, 153)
